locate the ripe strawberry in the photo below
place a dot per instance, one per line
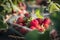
(21, 24)
(23, 31)
(38, 27)
(39, 20)
(20, 20)
(46, 26)
(47, 21)
(42, 29)
(32, 27)
(27, 15)
(24, 24)
(34, 23)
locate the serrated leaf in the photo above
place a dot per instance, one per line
(38, 13)
(52, 7)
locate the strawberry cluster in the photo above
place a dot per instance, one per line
(40, 24)
(22, 20)
(35, 24)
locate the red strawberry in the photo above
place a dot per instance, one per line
(21, 24)
(20, 20)
(38, 27)
(47, 21)
(32, 27)
(23, 31)
(39, 20)
(42, 29)
(34, 23)
(46, 26)
(27, 15)
(24, 24)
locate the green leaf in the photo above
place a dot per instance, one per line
(38, 13)
(55, 17)
(1, 17)
(45, 36)
(33, 35)
(49, 1)
(3, 25)
(36, 35)
(53, 7)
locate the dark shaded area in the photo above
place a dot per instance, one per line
(1, 8)
(5, 35)
(56, 1)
